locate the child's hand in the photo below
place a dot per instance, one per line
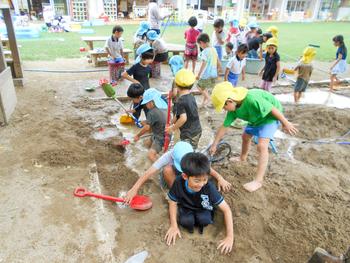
(289, 128)
(223, 185)
(212, 149)
(197, 77)
(130, 195)
(274, 79)
(136, 138)
(260, 74)
(226, 245)
(170, 236)
(169, 129)
(243, 77)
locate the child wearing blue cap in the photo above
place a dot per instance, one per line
(193, 199)
(140, 35)
(155, 122)
(140, 71)
(170, 165)
(158, 45)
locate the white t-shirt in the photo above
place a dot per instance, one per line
(115, 46)
(154, 16)
(159, 46)
(236, 65)
(200, 23)
(214, 39)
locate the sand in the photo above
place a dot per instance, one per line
(49, 149)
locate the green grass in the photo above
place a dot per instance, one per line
(293, 38)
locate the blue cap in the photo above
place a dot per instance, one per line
(234, 22)
(253, 24)
(156, 96)
(179, 151)
(152, 35)
(176, 63)
(142, 49)
(143, 28)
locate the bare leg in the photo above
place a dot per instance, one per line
(193, 65)
(206, 98)
(322, 256)
(296, 97)
(263, 159)
(186, 63)
(331, 85)
(169, 175)
(246, 141)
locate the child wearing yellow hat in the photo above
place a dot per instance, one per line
(304, 69)
(262, 111)
(271, 69)
(186, 110)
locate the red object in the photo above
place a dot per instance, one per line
(101, 129)
(139, 202)
(125, 142)
(167, 135)
(82, 49)
(103, 81)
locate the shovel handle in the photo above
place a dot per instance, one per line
(82, 192)
(137, 122)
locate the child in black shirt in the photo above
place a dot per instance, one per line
(272, 65)
(195, 198)
(135, 92)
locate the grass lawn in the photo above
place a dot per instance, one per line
(293, 38)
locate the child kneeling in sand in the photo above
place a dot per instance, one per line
(194, 198)
(170, 164)
(262, 111)
(155, 122)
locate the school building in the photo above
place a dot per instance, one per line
(284, 10)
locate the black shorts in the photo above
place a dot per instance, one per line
(161, 57)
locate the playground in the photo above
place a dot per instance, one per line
(62, 136)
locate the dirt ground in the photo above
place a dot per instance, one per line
(54, 143)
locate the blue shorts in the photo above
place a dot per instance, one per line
(233, 78)
(263, 131)
(219, 51)
(300, 85)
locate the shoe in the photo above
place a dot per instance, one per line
(200, 229)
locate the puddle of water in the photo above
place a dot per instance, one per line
(105, 134)
(328, 99)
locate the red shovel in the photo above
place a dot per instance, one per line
(139, 202)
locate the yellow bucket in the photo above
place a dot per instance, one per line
(288, 71)
(126, 119)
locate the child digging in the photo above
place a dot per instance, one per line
(218, 36)
(155, 122)
(114, 45)
(191, 50)
(271, 69)
(210, 66)
(339, 65)
(236, 65)
(262, 111)
(194, 198)
(304, 69)
(186, 111)
(169, 167)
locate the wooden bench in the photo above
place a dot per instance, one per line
(90, 41)
(99, 58)
(176, 49)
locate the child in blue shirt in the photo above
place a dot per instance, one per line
(194, 198)
(339, 65)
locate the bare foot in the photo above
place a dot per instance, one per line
(252, 186)
(236, 159)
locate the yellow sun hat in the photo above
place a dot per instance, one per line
(308, 55)
(184, 78)
(273, 30)
(243, 22)
(224, 91)
(272, 42)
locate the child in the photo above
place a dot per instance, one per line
(155, 122)
(135, 92)
(195, 198)
(263, 113)
(233, 33)
(210, 66)
(253, 29)
(169, 165)
(218, 36)
(271, 69)
(304, 69)
(255, 44)
(186, 111)
(158, 45)
(140, 71)
(191, 50)
(140, 35)
(236, 65)
(339, 65)
(114, 45)
(229, 49)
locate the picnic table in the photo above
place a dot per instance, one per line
(176, 49)
(5, 42)
(90, 40)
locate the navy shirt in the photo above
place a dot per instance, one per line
(141, 74)
(270, 66)
(341, 50)
(205, 199)
(254, 43)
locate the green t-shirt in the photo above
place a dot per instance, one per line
(255, 109)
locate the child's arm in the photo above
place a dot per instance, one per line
(260, 52)
(227, 71)
(146, 128)
(125, 75)
(220, 40)
(243, 73)
(204, 63)
(219, 66)
(221, 132)
(174, 230)
(261, 72)
(222, 183)
(340, 56)
(277, 72)
(287, 126)
(226, 244)
(109, 52)
(178, 124)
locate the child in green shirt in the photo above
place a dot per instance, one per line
(261, 110)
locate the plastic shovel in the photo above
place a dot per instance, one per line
(139, 202)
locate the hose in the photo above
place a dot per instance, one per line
(65, 71)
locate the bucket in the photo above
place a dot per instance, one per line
(254, 65)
